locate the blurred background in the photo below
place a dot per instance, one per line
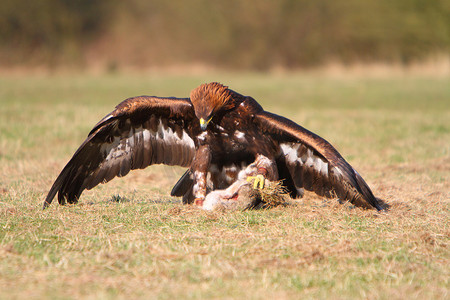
(235, 35)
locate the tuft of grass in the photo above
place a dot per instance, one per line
(273, 194)
(128, 238)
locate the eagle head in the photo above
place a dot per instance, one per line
(208, 99)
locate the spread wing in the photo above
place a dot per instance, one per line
(141, 131)
(308, 161)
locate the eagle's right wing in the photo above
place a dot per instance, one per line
(141, 131)
(312, 163)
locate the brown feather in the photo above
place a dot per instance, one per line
(340, 179)
(213, 94)
(137, 134)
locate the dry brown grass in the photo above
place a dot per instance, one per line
(128, 239)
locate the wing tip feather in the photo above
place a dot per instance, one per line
(53, 190)
(367, 194)
(46, 203)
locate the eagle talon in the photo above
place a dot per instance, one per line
(258, 182)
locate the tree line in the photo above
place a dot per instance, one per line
(230, 34)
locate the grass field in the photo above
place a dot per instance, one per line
(129, 239)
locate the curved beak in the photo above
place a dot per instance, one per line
(204, 123)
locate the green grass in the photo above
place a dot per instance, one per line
(129, 239)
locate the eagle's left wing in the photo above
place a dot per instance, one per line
(308, 161)
(141, 131)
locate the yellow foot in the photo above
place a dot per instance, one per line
(258, 182)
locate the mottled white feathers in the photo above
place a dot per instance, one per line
(295, 154)
(138, 148)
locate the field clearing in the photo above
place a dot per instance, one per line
(130, 239)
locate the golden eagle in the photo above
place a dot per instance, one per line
(221, 136)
